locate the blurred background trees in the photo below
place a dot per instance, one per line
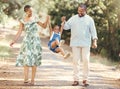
(106, 14)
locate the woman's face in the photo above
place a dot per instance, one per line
(29, 12)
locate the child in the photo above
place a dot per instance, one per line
(55, 41)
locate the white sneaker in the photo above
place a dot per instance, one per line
(61, 42)
(66, 55)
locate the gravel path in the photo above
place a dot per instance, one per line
(55, 72)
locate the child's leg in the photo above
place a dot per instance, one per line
(60, 50)
(65, 55)
(54, 43)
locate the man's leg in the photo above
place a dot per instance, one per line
(85, 59)
(76, 64)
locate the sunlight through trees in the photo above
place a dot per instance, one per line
(106, 14)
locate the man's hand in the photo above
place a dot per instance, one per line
(94, 44)
(63, 18)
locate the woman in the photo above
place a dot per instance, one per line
(30, 51)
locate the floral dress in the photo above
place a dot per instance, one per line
(30, 51)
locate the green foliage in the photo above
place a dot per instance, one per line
(107, 26)
(63, 8)
(5, 51)
(14, 8)
(106, 14)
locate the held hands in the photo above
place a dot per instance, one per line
(48, 19)
(63, 18)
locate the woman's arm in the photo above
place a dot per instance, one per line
(44, 25)
(17, 34)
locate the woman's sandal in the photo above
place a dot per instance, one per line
(75, 83)
(26, 81)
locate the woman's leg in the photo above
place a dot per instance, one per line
(26, 70)
(33, 74)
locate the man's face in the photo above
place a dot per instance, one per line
(81, 11)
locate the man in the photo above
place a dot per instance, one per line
(82, 31)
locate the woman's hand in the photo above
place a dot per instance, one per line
(44, 25)
(11, 44)
(48, 17)
(18, 34)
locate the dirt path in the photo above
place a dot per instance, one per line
(54, 73)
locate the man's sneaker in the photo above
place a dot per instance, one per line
(66, 55)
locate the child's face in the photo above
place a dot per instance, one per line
(56, 29)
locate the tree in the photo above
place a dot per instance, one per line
(106, 14)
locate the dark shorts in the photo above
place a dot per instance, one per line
(52, 49)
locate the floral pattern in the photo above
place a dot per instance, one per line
(30, 51)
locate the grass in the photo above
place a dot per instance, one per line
(102, 60)
(5, 51)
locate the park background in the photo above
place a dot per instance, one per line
(106, 14)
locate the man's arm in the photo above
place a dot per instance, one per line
(67, 24)
(93, 34)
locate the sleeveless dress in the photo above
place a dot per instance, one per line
(31, 51)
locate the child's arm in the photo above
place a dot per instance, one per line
(63, 19)
(18, 34)
(61, 28)
(50, 27)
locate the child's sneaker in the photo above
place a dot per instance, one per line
(66, 55)
(61, 42)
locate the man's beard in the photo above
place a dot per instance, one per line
(81, 15)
